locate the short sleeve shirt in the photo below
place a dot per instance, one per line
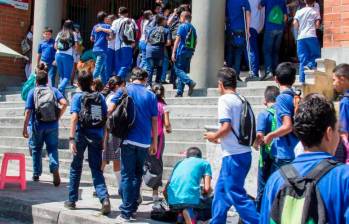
(269, 5)
(235, 15)
(307, 18)
(184, 187)
(47, 51)
(100, 38)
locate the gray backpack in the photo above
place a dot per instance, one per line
(46, 105)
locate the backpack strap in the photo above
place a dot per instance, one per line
(321, 169)
(289, 173)
(243, 100)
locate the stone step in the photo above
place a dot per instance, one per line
(176, 147)
(254, 100)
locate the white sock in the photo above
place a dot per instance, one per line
(118, 178)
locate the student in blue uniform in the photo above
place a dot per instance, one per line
(317, 128)
(285, 141)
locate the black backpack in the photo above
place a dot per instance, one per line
(123, 118)
(299, 200)
(156, 35)
(46, 105)
(247, 129)
(65, 41)
(91, 113)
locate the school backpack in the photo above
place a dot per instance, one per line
(156, 35)
(276, 15)
(25, 46)
(247, 129)
(91, 113)
(190, 39)
(122, 119)
(128, 32)
(296, 98)
(174, 29)
(65, 41)
(299, 199)
(46, 105)
(28, 85)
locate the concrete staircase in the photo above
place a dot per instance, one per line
(189, 116)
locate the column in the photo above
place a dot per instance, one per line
(46, 13)
(208, 19)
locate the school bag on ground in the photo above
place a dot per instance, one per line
(276, 15)
(46, 105)
(65, 41)
(162, 212)
(128, 32)
(122, 119)
(91, 113)
(247, 129)
(190, 39)
(28, 85)
(299, 200)
(156, 36)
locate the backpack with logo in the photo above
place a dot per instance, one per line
(247, 129)
(46, 105)
(128, 32)
(65, 41)
(276, 15)
(156, 35)
(122, 119)
(91, 113)
(25, 46)
(299, 199)
(190, 39)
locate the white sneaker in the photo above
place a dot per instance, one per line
(120, 220)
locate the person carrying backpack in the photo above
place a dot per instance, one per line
(125, 30)
(314, 188)
(44, 107)
(157, 38)
(266, 123)
(89, 115)
(236, 135)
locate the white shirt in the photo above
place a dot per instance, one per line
(257, 15)
(70, 50)
(229, 110)
(307, 18)
(145, 23)
(116, 29)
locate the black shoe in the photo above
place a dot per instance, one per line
(69, 205)
(191, 88)
(36, 178)
(252, 78)
(239, 79)
(267, 77)
(178, 95)
(106, 207)
(56, 178)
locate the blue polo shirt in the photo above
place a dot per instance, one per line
(284, 107)
(344, 113)
(146, 107)
(269, 5)
(100, 38)
(235, 15)
(30, 105)
(157, 51)
(76, 108)
(182, 33)
(264, 125)
(47, 51)
(333, 187)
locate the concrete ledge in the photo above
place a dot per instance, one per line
(338, 54)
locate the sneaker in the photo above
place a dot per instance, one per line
(122, 219)
(36, 178)
(252, 78)
(133, 216)
(56, 178)
(191, 88)
(178, 95)
(69, 205)
(267, 77)
(105, 207)
(238, 79)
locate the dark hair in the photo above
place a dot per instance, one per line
(342, 70)
(139, 74)
(123, 10)
(228, 77)
(270, 94)
(111, 17)
(101, 16)
(286, 73)
(112, 84)
(41, 72)
(159, 19)
(68, 29)
(194, 152)
(98, 85)
(48, 29)
(147, 14)
(309, 2)
(159, 91)
(314, 116)
(85, 80)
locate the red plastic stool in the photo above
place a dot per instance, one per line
(13, 179)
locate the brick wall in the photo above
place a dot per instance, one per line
(13, 26)
(336, 23)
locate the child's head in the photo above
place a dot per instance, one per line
(166, 11)
(115, 82)
(41, 72)
(147, 14)
(270, 94)
(285, 74)
(123, 11)
(97, 85)
(101, 16)
(309, 2)
(139, 74)
(47, 33)
(159, 20)
(76, 27)
(315, 124)
(194, 152)
(226, 79)
(109, 19)
(159, 91)
(85, 81)
(341, 78)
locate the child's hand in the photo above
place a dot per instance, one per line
(268, 139)
(259, 139)
(99, 29)
(168, 129)
(211, 137)
(25, 133)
